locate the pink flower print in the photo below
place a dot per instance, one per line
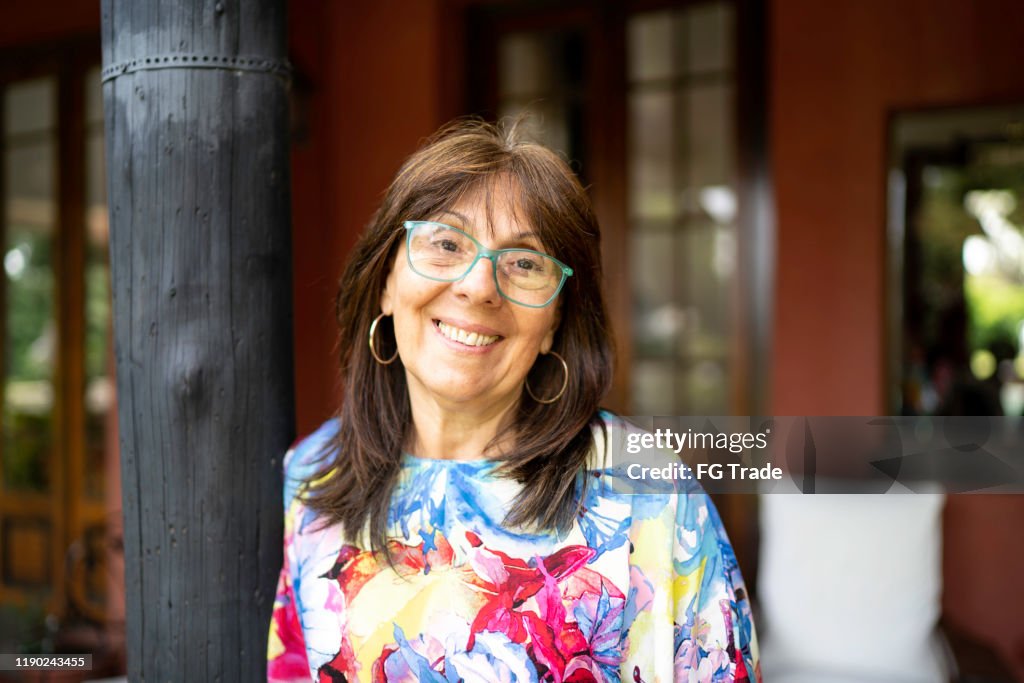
(512, 581)
(352, 569)
(291, 664)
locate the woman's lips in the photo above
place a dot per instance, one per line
(467, 335)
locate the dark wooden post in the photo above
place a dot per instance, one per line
(196, 104)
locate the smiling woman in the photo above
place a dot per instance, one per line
(455, 522)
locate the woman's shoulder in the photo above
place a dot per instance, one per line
(613, 438)
(305, 457)
(625, 463)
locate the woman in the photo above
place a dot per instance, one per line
(452, 522)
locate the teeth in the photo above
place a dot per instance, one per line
(467, 338)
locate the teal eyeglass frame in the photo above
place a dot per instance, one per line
(483, 252)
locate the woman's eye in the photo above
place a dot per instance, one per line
(527, 264)
(448, 245)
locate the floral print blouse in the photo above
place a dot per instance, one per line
(643, 588)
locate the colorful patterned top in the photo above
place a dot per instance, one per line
(643, 588)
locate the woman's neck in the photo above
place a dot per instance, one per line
(455, 432)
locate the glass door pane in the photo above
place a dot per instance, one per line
(958, 250)
(28, 333)
(29, 326)
(540, 73)
(682, 207)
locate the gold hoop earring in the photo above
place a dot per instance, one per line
(565, 383)
(373, 351)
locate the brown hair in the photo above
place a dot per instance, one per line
(463, 158)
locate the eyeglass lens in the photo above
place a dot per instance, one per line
(443, 253)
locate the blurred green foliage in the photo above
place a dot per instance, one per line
(996, 311)
(994, 303)
(30, 350)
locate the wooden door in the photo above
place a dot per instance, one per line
(55, 387)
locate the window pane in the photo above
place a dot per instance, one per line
(29, 330)
(712, 135)
(656, 318)
(542, 74)
(653, 388)
(703, 386)
(29, 107)
(682, 148)
(652, 154)
(525, 65)
(540, 64)
(28, 177)
(651, 46)
(710, 37)
(705, 270)
(93, 98)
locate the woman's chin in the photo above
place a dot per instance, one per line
(465, 393)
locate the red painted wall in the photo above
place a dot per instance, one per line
(376, 95)
(313, 280)
(44, 22)
(838, 70)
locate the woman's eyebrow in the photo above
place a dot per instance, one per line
(465, 221)
(518, 237)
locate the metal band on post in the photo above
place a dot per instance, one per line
(275, 67)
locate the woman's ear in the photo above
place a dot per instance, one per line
(387, 305)
(549, 338)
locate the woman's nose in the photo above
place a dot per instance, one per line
(478, 284)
